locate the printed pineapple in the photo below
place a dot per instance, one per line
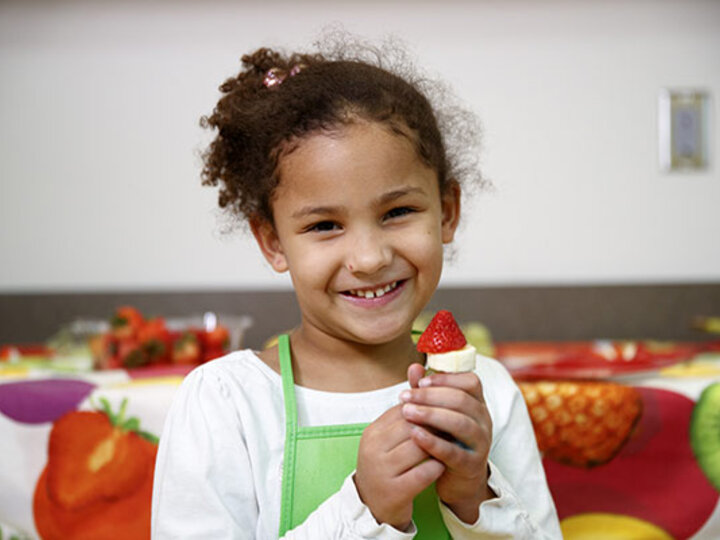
(581, 423)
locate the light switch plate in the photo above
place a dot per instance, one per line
(684, 122)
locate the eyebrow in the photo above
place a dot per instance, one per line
(385, 198)
(306, 211)
(398, 193)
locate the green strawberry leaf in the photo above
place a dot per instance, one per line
(121, 414)
(107, 409)
(148, 436)
(118, 420)
(118, 321)
(131, 424)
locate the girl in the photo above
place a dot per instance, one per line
(343, 175)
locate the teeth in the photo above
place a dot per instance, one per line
(375, 293)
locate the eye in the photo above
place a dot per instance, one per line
(322, 226)
(399, 212)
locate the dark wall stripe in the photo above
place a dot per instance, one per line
(511, 313)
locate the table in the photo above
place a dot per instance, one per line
(645, 481)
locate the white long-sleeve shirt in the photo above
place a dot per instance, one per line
(219, 466)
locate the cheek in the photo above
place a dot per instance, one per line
(425, 247)
(310, 265)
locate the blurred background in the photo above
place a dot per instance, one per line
(101, 201)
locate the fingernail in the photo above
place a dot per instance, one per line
(405, 395)
(425, 381)
(420, 432)
(409, 409)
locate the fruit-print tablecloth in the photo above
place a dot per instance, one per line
(78, 451)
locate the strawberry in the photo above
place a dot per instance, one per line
(104, 348)
(98, 345)
(215, 342)
(217, 339)
(582, 423)
(442, 335)
(211, 354)
(154, 339)
(125, 322)
(186, 350)
(98, 479)
(131, 354)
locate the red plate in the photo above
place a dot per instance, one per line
(28, 349)
(591, 359)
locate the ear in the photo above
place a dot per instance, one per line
(269, 243)
(450, 202)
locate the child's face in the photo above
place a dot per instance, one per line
(360, 225)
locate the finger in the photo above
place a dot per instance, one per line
(415, 372)
(405, 456)
(388, 431)
(460, 426)
(454, 457)
(468, 382)
(447, 398)
(420, 477)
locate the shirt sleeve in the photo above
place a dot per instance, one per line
(202, 486)
(523, 508)
(343, 515)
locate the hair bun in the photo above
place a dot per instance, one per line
(263, 60)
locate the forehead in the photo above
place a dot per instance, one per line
(364, 155)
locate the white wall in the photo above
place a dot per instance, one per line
(99, 108)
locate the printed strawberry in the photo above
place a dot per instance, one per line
(125, 322)
(96, 455)
(154, 339)
(186, 350)
(97, 484)
(581, 423)
(442, 335)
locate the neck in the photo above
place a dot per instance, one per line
(325, 362)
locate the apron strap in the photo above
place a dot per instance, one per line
(288, 484)
(288, 382)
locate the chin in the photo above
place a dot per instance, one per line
(379, 336)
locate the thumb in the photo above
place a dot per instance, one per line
(415, 372)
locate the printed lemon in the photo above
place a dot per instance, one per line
(600, 526)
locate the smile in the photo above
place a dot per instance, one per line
(373, 292)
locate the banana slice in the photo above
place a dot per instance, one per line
(453, 361)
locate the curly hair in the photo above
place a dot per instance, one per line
(258, 123)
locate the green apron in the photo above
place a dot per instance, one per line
(319, 458)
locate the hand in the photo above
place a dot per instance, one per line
(392, 470)
(452, 403)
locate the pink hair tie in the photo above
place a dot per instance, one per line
(297, 68)
(275, 76)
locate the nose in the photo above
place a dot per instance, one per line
(368, 253)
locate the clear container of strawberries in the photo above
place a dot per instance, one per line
(131, 340)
